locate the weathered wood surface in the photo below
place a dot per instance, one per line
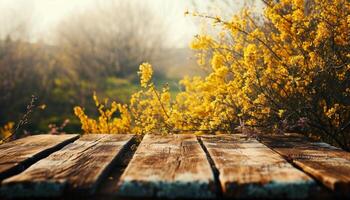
(248, 169)
(328, 164)
(17, 155)
(76, 169)
(172, 166)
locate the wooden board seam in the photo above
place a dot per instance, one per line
(114, 163)
(216, 172)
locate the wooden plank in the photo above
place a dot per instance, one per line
(109, 186)
(77, 169)
(171, 166)
(19, 154)
(248, 169)
(328, 164)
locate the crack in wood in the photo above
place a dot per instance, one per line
(216, 172)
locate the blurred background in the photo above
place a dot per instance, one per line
(61, 51)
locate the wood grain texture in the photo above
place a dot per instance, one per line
(328, 164)
(248, 169)
(17, 155)
(76, 169)
(171, 166)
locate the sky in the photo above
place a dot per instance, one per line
(45, 14)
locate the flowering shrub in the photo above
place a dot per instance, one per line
(286, 70)
(289, 70)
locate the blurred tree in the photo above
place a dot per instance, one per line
(19, 76)
(96, 49)
(16, 22)
(112, 39)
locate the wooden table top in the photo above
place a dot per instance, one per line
(177, 166)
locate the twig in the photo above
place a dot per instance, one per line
(23, 120)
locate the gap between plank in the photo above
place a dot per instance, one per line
(216, 172)
(107, 188)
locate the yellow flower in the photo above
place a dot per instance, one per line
(217, 61)
(105, 123)
(145, 74)
(322, 33)
(331, 112)
(6, 130)
(281, 112)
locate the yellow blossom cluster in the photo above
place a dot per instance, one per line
(154, 111)
(6, 131)
(106, 122)
(291, 64)
(150, 109)
(145, 74)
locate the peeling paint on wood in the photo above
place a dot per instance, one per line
(77, 168)
(172, 166)
(248, 169)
